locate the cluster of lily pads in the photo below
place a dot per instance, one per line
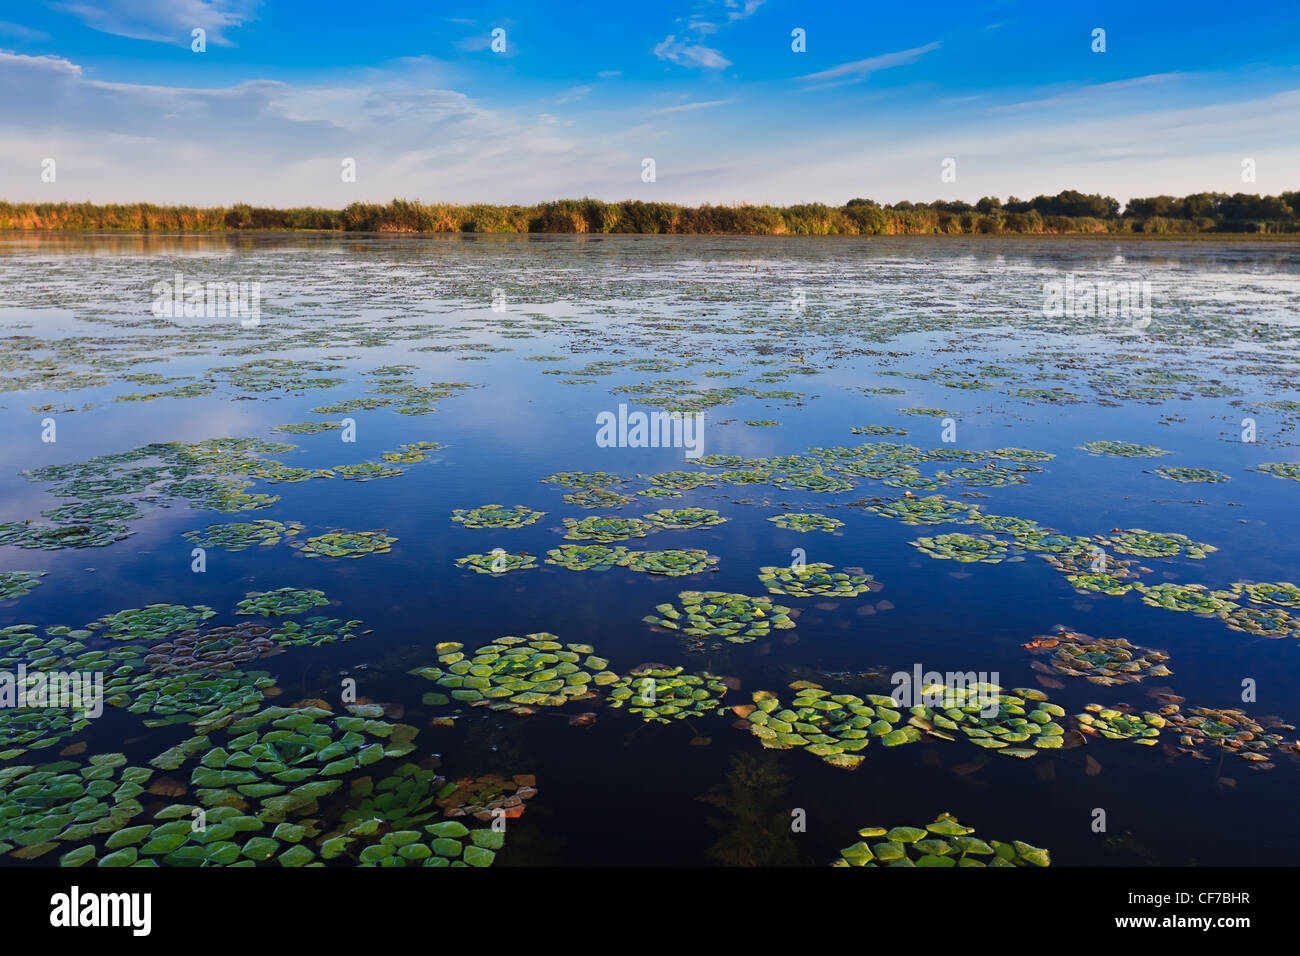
(834, 727)
(16, 584)
(43, 806)
(281, 602)
(496, 516)
(282, 760)
(1151, 544)
(736, 618)
(606, 529)
(497, 561)
(810, 521)
(943, 843)
(816, 580)
(243, 534)
(982, 548)
(345, 544)
(660, 695)
(513, 672)
(1100, 660)
(672, 563)
(680, 518)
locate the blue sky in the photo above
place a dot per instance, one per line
(712, 91)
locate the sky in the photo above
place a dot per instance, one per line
(577, 95)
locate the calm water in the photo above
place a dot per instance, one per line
(917, 315)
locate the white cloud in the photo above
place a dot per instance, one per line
(685, 53)
(280, 144)
(163, 21)
(861, 69)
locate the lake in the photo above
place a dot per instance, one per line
(951, 412)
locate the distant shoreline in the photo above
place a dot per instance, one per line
(1070, 213)
(1272, 238)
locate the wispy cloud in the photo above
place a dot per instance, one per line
(685, 53)
(163, 21)
(687, 107)
(861, 69)
(20, 32)
(703, 22)
(1087, 92)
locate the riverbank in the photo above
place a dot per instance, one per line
(1218, 217)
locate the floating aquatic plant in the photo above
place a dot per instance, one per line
(46, 538)
(681, 480)
(1230, 730)
(989, 476)
(1284, 594)
(496, 516)
(990, 717)
(1123, 449)
(934, 509)
(663, 694)
(586, 557)
(209, 700)
(737, 618)
(1196, 598)
(315, 631)
(212, 649)
(1151, 544)
(877, 430)
(1279, 469)
(43, 806)
(1104, 583)
(1101, 660)
(817, 482)
(657, 492)
(833, 727)
(1008, 524)
(1191, 475)
(1262, 621)
(945, 842)
(488, 797)
(588, 480)
(806, 521)
(16, 584)
(284, 759)
(1021, 454)
(984, 548)
(281, 602)
(599, 498)
(673, 563)
(345, 544)
(1121, 723)
(244, 534)
(497, 562)
(815, 580)
(152, 622)
(94, 512)
(512, 672)
(677, 518)
(308, 428)
(606, 528)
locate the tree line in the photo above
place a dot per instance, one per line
(1066, 212)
